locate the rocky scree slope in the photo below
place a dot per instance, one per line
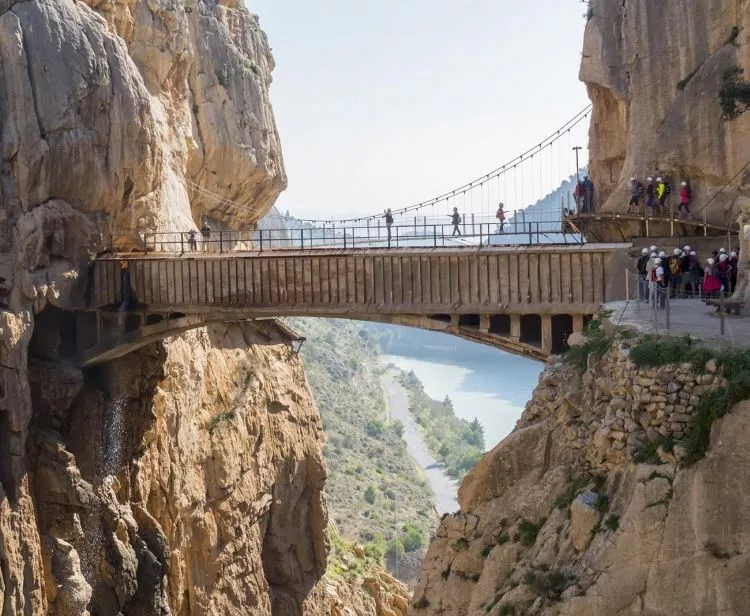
(586, 508)
(185, 478)
(653, 72)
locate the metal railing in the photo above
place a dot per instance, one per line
(421, 234)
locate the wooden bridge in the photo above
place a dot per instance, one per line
(526, 300)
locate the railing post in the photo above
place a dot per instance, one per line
(145, 242)
(667, 303)
(397, 236)
(368, 230)
(221, 241)
(722, 316)
(480, 235)
(627, 286)
(344, 238)
(424, 222)
(671, 218)
(434, 236)
(705, 223)
(531, 239)
(261, 240)
(302, 239)
(182, 243)
(473, 231)
(415, 226)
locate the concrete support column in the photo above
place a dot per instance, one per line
(515, 326)
(547, 333)
(577, 322)
(484, 323)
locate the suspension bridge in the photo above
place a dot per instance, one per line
(521, 281)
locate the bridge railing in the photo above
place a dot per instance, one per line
(419, 235)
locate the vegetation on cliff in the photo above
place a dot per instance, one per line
(375, 491)
(456, 443)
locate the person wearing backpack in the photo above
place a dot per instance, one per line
(661, 194)
(685, 196)
(388, 222)
(662, 282)
(675, 272)
(456, 220)
(636, 190)
(650, 197)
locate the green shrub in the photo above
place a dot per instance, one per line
(219, 419)
(421, 603)
(734, 95)
(370, 495)
(412, 539)
(602, 503)
(652, 352)
(612, 522)
(573, 488)
(528, 531)
(486, 550)
(507, 610)
(502, 538)
(597, 343)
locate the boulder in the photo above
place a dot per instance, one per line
(583, 518)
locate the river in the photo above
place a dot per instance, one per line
(494, 389)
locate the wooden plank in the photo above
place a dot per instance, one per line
(555, 279)
(483, 280)
(333, 278)
(343, 281)
(317, 294)
(414, 290)
(454, 294)
(361, 276)
(535, 280)
(257, 283)
(388, 281)
(425, 275)
(587, 294)
(369, 280)
(514, 291)
(307, 292)
(398, 281)
(379, 280)
(464, 281)
(351, 281)
(566, 278)
(443, 285)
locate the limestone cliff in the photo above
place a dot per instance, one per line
(186, 478)
(653, 72)
(583, 509)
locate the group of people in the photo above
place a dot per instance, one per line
(657, 193)
(205, 237)
(454, 216)
(683, 275)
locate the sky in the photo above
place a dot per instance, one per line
(385, 104)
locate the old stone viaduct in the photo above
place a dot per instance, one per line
(523, 299)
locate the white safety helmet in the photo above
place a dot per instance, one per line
(654, 255)
(687, 249)
(657, 261)
(733, 254)
(723, 257)
(653, 249)
(710, 261)
(632, 179)
(644, 251)
(659, 180)
(683, 184)
(676, 252)
(693, 253)
(662, 254)
(722, 249)
(650, 179)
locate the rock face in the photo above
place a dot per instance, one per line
(560, 520)
(186, 478)
(653, 72)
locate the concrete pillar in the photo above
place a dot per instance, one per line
(547, 333)
(484, 323)
(577, 322)
(515, 326)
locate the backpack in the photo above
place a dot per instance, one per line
(674, 266)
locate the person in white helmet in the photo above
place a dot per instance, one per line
(724, 270)
(660, 273)
(685, 196)
(711, 281)
(636, 190)
(661, 194)
(734, 263)
(650, 196)
(690, 273)
(642, 267)
(675, 273)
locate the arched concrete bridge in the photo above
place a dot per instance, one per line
(525, 300)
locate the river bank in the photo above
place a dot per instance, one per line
(442, 485)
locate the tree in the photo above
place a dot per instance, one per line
(734, 94)
(412, 539)
(395, 549)
(370, 495)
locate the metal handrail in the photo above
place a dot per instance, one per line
(442, 235)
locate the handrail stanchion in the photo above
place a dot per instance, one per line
(667, 302)
(722, 316)
(344, 238)
(473, 230)
(530, 237)
(368, 230)
(434, 236)
(480, 235)
(302, 239)
(415, 226)
(424, 222)
(261, 240)
(182, 243)
(221, 241)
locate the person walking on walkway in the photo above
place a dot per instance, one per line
(455, 220)
(388, 222)
(661, 194)
(500, 215)
(675, 272)
(205, 236)
(588, 195)
(711, 281)
(724, 270)
(636, 190)
(662, 282)
(578, 197)
(650, 196)
(642, 268)
(685, 196)
(192, 240)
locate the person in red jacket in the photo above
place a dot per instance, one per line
(685, 196)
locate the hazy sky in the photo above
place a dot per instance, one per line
(383, 104)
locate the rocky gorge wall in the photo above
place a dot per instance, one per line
(570, 516)
(653, 72)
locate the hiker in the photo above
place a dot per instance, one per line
(500, 215)
(650, 196)
(388, 222)
(455, 220)
(734, 264)
(636, 190)
(578, 196)
(688, 272)
(662, 282)
(724, 270)
(675, 272)
(192, 240)
(588, 195)
(127, 287)
(642, 267)
(661, 194)
(685, 196)
(711, 282)
(205, 236)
